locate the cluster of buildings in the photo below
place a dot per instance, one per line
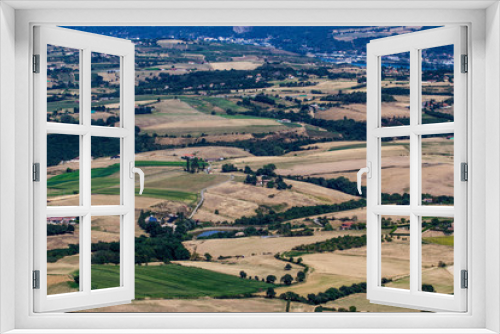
(62, 220)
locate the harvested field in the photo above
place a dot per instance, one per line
(105, 229)
(235, 65)
(349, 266)
(205, 305)
(258, 265)
(174, 116)
(356, 112)
(188, 182)
(257, 245)
(211, 139)
(236, 199)
(229, 208)
(363, 304)
(209, 152)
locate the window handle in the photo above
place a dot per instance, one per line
(134, 170)
(368, 171)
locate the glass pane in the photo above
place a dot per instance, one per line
(63, 259)
(105, 171)
(437, 254)
(63, 93)
(63, 170)
(395, 89)
(105, 89)
(437, 84)
(395, 251)
(395, 173)
(105, 252)
(437, 169)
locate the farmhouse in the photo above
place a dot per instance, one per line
(346, 226)
(61, 220)
(151, 219)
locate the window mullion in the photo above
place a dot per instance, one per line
(414, 170)
(85, 169)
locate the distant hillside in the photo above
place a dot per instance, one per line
(295, 39)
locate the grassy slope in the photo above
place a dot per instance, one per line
(446, 240)
(103, 182)
(174, 281)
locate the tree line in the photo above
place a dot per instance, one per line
(333, 244)
(272, 217)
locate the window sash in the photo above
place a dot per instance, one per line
(324, 16)
(86, 297)
(413, 43)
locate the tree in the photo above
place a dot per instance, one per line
(208, 257)
(352, 308)
(270, 293)
(227, 168)
(243, 274)
(299, 260)
(216, 211)
(288, 266)
(270, 279)
(301, 276)
(251, 179)
(428, 288)
(287, 279)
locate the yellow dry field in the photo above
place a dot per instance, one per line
(57, 284)
(325, 86)
(258, 265)
(329, 270)
(209, 152)
(357, 215)
(188, 182)
(204, 215)
(105, 229)
(163, 42)
(314, 163)
(206, 305)
(235, 65)
(175, 116)
(236, 199)
(102, 115)
(398, 109)
(324, 147)
(209, 138)
(60, 273)
(73, 200)
(355, 111)
(65, 266)
(257, 245)
(63, 240)
(349, 266)
(363, 304)
(112, 77)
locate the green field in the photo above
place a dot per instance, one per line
(347, 147)
(174, 282)
(160, 163)
(244, 117)
(106, 181)
(172, 195)
(446, 241)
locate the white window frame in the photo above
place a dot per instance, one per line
(413, 44)
(86, 44)
(484, 102)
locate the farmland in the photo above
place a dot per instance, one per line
(249, 152)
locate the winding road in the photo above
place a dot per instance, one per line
(202, 193)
